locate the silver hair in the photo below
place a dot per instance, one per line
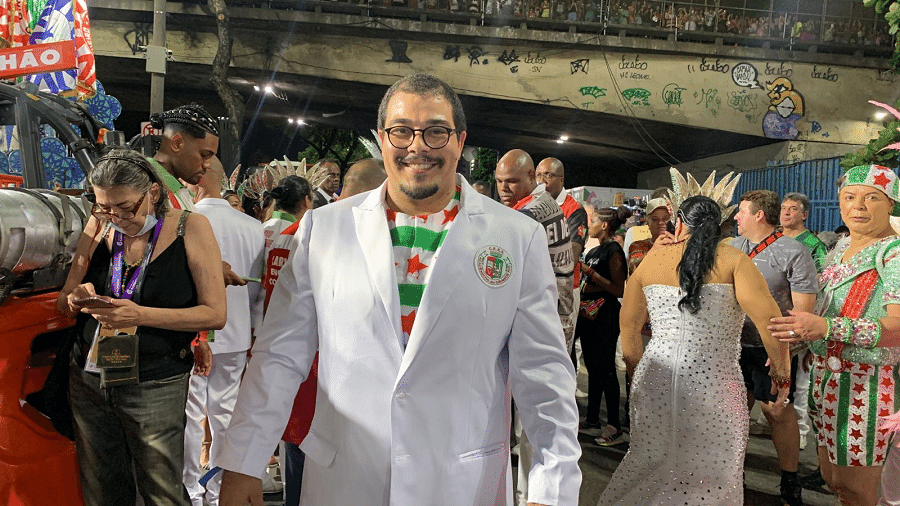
(798, 197)
(124, 167)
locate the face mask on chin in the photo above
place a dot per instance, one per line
(149, 222)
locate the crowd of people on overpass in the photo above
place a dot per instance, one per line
(686, 16)
(387, 333)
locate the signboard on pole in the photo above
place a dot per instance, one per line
(147, 129)
(37, 59)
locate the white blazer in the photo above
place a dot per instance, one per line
(428, 425)
(241, 241)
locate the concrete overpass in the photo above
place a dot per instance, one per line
(626, 104)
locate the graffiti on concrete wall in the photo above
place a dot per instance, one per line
(637, 96)
(671, 95)
(398, 51)
(824, 73)
(746, 76)
(785, 110)
(710, 99)
(580, 65)
(634, 68)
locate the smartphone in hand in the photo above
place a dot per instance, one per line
(94, 302)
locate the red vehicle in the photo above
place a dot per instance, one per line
(38, 233)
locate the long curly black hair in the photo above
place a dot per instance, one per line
(702, 216)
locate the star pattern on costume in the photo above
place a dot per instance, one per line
(423, 217)
(413, 265)
(856, 449)
(865, 368)
(859, 388)
(450, 215)
(829, 412)
(857, 418)
(887, 382)
(886, 398)
(856, 433)
(882, 180)
(407, 322)
(858, 403)
(830, 397)
(391, 215)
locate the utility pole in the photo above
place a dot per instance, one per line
(156, 57)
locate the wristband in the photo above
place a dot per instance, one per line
(781, 381)
(862, 332)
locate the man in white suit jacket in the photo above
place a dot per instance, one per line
(426, 422)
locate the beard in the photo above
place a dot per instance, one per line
(422, 190)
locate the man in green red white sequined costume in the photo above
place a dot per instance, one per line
(855, 339)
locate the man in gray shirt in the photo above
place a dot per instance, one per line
(790, 272)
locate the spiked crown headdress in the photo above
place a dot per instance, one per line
(721, 193)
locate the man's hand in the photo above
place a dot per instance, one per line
(231, 277)
(239, 489)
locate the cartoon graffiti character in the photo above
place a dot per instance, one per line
(785, 109)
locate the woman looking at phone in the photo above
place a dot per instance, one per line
(160, 271)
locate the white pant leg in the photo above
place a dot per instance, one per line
(890, 475)
(224, 383)
(195, 409)
(801, 395)
(570, 336)
(525, 451)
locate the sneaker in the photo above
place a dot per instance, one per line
(590, 429)
(579, 394)
(617, 437)
(791, 491)
(272, 483)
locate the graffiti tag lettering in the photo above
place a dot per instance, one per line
(827, 75)
(741, 101)
(745, 75)
(475, 54)
(451, 53)
(508, 58)
(815, 127)
(637, 96)
(537, 59)
(710, 99)
(714, 67)
(780, 70)
(672, 94)
(586, 105)
(593, 91)
(580, 65)
(635, 64)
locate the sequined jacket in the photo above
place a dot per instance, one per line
(834, 289)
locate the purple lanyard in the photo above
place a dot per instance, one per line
(119, 259)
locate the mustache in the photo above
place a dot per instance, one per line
(417, 159)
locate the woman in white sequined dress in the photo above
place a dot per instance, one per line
(688, 400)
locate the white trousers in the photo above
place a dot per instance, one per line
(214, 397)
(801, 395)
(525, 451)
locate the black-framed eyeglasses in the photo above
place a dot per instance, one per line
(104, 213)
(435, 136)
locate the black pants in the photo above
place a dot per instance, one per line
(598, 343)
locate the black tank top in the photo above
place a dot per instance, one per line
(168, 284)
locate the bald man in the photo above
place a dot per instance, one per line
(518, 189)
(242, 242)
(552, 173)
(364, 175)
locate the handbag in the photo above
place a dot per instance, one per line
(590, 308)
(117, 357)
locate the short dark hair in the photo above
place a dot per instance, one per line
(766, 201)
(422, 85)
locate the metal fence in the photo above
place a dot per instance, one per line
(815, 178)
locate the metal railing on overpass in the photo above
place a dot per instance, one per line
(821, 26)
